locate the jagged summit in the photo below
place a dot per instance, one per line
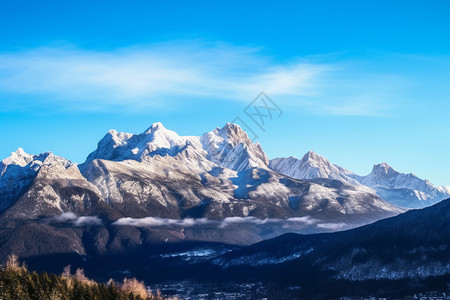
(316, 160)
(18, 171)
(386, 176)
(384, 168)
(159, 173)
(233, 130)
(312, 155)
(230, 147)
(311, 166)
(156, 140)
(225, 151)
(232, 134)
(155, 126)
(19, 157)
(405, 190)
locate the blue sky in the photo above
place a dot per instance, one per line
(360, 82)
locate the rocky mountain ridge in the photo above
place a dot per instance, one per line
(160, 174)
(405, 190)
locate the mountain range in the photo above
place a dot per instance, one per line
(404, 190)
(221, 180)
(160, 187)
(160, 174)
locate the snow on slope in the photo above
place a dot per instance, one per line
(311, 166)
(228, 147)
(18, 171)
(156, 140)
(406, 190)
(159, 173)
(386, 176)
(43, 185)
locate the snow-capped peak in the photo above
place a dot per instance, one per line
(385, 175)
(384, 169)
(406, 190)
(156, 140)
(231, 130)
(157, 136)
(19, 170)
(22, 160)
(314, 159)
(386, 179)
(230, 147)
(155, 126)
(311, 166)
(19, 157)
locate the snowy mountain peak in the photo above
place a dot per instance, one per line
(233, 133)
(382, 172)
(232, 127)
(22, 159)
(20, 152)
(155, 127)
(20, 169)
(156, 140)
(384, 168)
(115, 138)
(406, 190)
(312, 157)
(19, 157)
(160, 137)
(230, 147)
(311, 166)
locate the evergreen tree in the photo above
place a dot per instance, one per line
(17, 283)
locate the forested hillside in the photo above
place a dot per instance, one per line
(16, 282)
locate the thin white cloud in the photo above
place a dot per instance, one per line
(149, 222)
(87, 221)
(73, 219)
(332, 226)
(155, 75)
(305, 220)
(289, 223)
(160, 222)
(64, 217)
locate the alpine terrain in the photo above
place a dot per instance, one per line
(190, 205)
(157, 186)
(404, 190)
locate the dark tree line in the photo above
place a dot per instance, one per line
(17, 283)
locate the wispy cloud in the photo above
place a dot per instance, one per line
(332, 226)
(154, 75)
(73, 219)
(161, 222)
(289, 223)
